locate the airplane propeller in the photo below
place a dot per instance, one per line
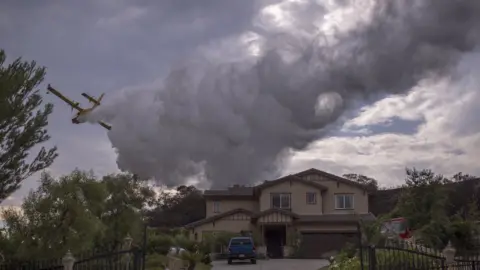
(76, 104)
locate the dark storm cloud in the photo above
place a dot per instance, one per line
(102, 46)
(234, 123)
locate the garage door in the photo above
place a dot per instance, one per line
(318, 245)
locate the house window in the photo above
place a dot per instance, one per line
(216, 207)
(343, 201)
(280, 200)
(311, 198)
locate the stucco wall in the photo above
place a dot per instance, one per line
(274, 218)
(230, 204)
(326, 227)
(360, 200)
(298, 197)
(222, 225)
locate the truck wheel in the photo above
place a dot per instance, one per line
(229, 261)
(253, 261)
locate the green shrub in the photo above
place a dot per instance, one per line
(159, 243)
(206, 259)
(346, 264)
(386, 259)
(396, 259)
(156, 262)
(350, 250)
(184, 242)
(463, 234)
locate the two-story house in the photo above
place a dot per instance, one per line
(322, 208)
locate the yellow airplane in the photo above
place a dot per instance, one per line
(80, 117)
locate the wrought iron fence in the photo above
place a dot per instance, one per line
(115, 260)
(467, 261)
(32, 265)
(119, 260)
(400, 258)
(411, 257)
(399, 255)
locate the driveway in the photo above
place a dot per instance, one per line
(277, 264)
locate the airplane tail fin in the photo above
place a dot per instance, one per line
(98, 101)
(100, 98)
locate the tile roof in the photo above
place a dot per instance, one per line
(326, 218)
(336, 218)
(331, 176)
(294, 178)
(217, 217)
(243, 191)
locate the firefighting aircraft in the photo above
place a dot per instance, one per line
(80, 117)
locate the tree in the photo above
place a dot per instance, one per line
(58, 216)
(459, 177)
(425, 202)
(122, 212)
(22, 124)
(76, 212)
(369, 182)
(179, 208)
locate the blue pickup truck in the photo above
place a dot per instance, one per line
(242, 248)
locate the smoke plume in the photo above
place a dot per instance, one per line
(235, 122)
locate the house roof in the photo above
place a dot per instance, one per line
(326, 218)
(273, 210)
(334, 218)
(332, 177)
(248, 192)
(290, 177)
(217, 217)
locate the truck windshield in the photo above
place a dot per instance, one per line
(240, 242)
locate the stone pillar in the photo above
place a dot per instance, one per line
(127, 243)
(449, 253)
(287, 251)
(68, 261)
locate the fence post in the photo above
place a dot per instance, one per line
(372, 258)
(144, 245)
(137, 259)
(449, 253)
(360, 244)
(68, 261)
(127, 243)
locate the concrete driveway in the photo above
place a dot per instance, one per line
(279, 264)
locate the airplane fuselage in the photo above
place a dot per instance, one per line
(79, 120)
(81, 117)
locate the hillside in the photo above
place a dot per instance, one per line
(383, 201)
(461, 193)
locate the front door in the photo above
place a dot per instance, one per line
(275, 238)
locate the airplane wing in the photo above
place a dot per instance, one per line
(103, 124)
(91, 99)
(74, 105)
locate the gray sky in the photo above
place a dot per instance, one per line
(104, 46)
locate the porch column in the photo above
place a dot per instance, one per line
(263, 234)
